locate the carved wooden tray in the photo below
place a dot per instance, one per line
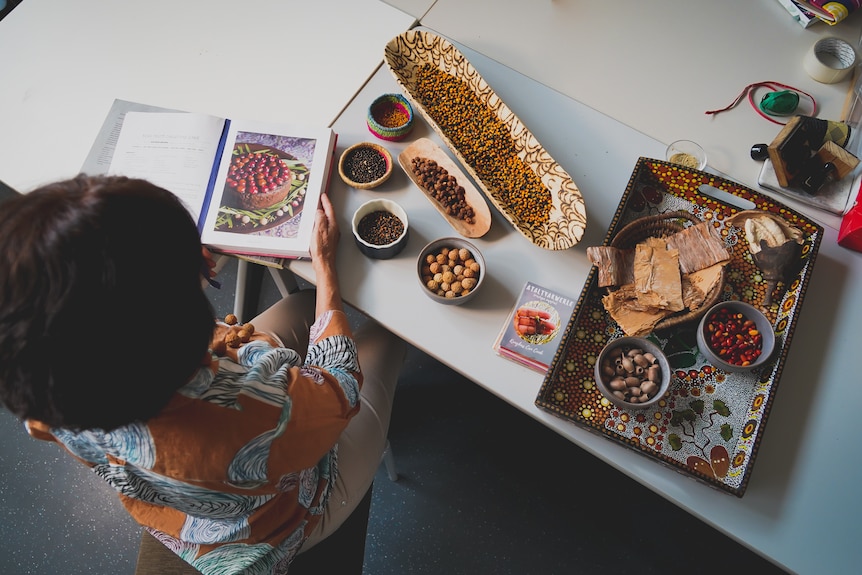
(711, 422)
(425, 148)
(407, 53)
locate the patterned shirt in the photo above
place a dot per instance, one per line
(236, 471)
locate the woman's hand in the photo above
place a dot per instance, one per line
(324, 241)
(324, 244)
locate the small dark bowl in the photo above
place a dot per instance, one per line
(345, 172)
(764, 327)
(390, 105)
(380, 251)
(619, 346)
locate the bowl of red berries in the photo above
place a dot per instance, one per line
(736, 336)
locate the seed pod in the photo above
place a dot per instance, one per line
(650, 358)
(634, 352)
(654, 373)
(649, 388)
(628, 364)
(640, 360)
(617, 384)
(632, 381)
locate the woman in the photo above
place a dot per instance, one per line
(236, 446)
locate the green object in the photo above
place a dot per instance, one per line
(782, 103)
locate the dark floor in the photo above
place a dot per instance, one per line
(483, 489)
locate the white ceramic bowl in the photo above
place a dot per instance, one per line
(610, 366)
(712, 353)
(366, 235)
(425, 273)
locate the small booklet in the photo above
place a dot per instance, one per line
(252, 187)
(534, 329)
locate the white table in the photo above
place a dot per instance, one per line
(657, 66)
(64, 63)
(801, 506)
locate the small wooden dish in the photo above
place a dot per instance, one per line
(343, 170)
(659, 226)
(425, 148)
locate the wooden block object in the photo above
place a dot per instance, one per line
(799, 140)
(844, 161)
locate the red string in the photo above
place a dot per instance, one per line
(770, 84)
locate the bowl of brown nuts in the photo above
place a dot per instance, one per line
(451, 270)
(632, 373)
(380, 228)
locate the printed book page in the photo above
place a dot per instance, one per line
(102, 151)
(267, 188)
(173, 151)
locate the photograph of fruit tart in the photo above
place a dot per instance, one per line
(265, 185)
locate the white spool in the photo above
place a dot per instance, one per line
(830, 60)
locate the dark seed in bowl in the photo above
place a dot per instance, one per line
(380, 228)
(365, 165)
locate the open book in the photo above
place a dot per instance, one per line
(252, 187)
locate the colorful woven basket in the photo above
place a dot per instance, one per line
(390, 117)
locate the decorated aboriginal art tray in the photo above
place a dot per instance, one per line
(407, 53)
(710, 423)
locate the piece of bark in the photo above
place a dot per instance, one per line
(614, 265)
(699, 247)
(657, 277)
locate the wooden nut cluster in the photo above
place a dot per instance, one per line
(443, 187)
(632, 374)
(234, 337)
(451, 272)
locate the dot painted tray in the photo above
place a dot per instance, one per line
(711, 422)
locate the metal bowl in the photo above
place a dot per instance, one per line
(455, 295)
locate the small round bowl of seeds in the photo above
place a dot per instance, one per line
(735, 336)
(365, 165)
(390, 117)
(632, 373)
(451, 270)
(380, 228)
(686, 153)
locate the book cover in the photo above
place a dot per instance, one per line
(534, 328)
(247, 184)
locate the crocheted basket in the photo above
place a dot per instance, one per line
(661, 226)
(385, 109)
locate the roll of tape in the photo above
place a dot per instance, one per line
(830, 60)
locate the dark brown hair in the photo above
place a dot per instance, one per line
(102, 314)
